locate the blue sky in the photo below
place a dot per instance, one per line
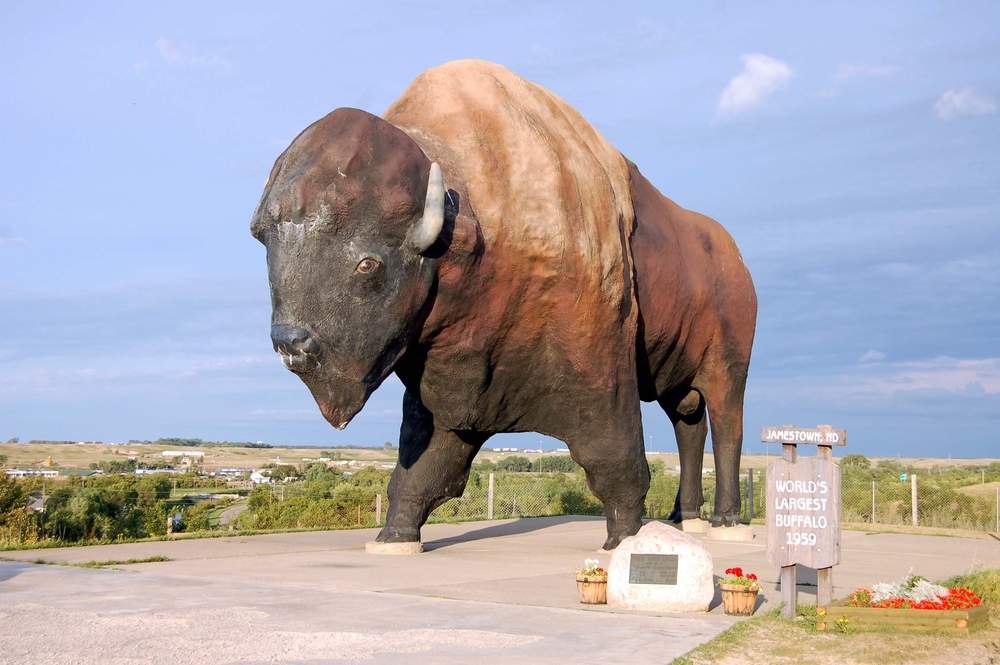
(852, 149)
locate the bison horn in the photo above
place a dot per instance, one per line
(427, 230)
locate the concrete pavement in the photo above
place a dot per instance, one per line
(498, 591)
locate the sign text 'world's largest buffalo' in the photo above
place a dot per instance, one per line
(803, 513)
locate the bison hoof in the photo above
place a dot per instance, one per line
(398, 535)
(726, 520)
(678, 515)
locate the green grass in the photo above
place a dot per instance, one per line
(102, 564)
(985, 583)
(731, 638)
(117, 562)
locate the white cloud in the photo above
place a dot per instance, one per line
(944, 373)
(648, 34)
(871, 357)
(285, 414)
(846, 70)
(761, 76)
(184, 55)
(964, 102)
(6, 237)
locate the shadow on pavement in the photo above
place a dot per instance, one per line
(513, 528)
(10, 569)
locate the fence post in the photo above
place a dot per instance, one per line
(378, 510)
(998, 510)
(873, 502)
(489, 500)
(913, 499)
(750, 487)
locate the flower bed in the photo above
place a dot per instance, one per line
(912, 603)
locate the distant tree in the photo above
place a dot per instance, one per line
(117, 466)
(514, 463)
(152, 489)
(282, 471)
(856, 460)
(327, 454)
(387, 446)
(178, 442)
(889, 467)
(563, 463)
(13, 439)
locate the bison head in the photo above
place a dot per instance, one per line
(347, 214)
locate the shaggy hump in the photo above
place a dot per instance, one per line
(548, 191)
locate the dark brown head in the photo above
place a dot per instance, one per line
(346, 216)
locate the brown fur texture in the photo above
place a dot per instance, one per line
(550, 198)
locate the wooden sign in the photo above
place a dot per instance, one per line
(652, 569)
(803, 512)
(824, 435)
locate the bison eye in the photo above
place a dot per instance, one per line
(367, 265)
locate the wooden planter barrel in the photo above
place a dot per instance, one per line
(956, 622)
(593, 589)
(738, 599)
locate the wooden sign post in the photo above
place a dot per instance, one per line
(803, 509)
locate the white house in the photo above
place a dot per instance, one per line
(259, 478)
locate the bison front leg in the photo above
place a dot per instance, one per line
(618, 475)
(433, 467)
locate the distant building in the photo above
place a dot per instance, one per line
(258, 478)
(181, 453)
(36, 503)
(22, 473)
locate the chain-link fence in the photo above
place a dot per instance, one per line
(948, 499)
(885, 501)
(904, 500)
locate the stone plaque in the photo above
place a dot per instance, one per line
(661, 569)
(653, 569)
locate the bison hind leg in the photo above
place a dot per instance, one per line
(686, 410)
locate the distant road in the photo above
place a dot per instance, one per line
(231, 513)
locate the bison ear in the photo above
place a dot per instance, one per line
(427, 230)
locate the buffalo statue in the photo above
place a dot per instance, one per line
(518, 274)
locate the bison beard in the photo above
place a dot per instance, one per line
(518, 274)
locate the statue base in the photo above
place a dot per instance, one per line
(374, 547)
(695, 525)
(742, 533)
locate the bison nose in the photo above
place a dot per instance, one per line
(298, 350)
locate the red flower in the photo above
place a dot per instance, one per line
(751, 576)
